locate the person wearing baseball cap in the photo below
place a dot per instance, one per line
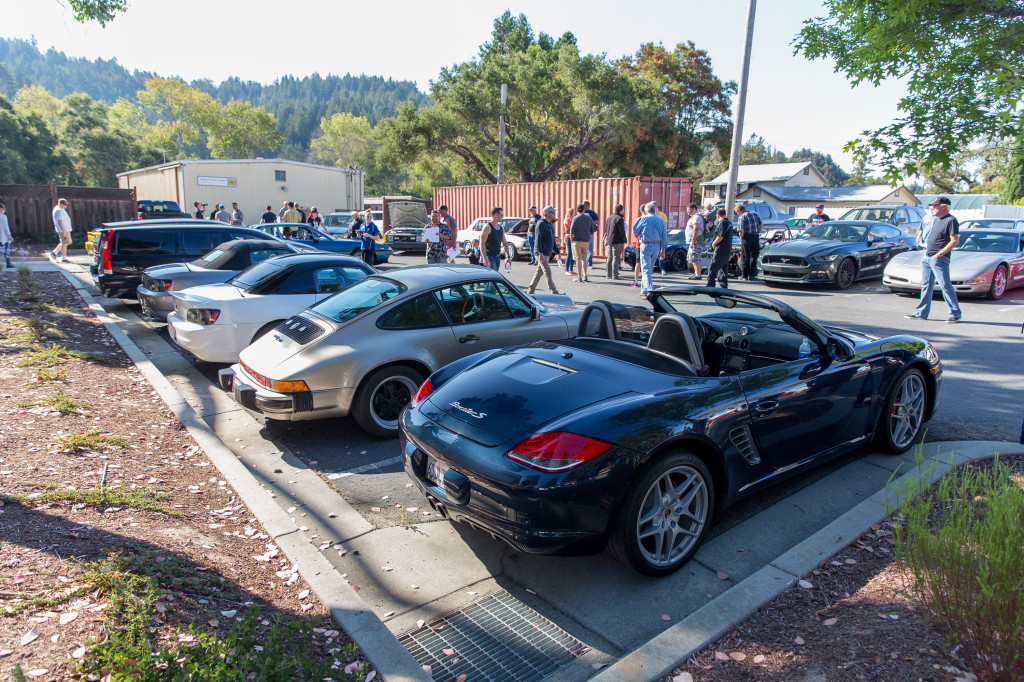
(939, 240)
(545, 249)
(531, 232)
(819, 216)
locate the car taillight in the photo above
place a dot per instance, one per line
(105, 248)
(202, 315)
(425, 390)
(158, 284)
(558, 451)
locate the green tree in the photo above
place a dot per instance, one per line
(755, 150)
(184, 110)
(834, 175)
(239, 130)
(28, 155)
(960, 62)
(562, 105)
(862, 174)
(35, 99)
(346, 140)
(100, 11)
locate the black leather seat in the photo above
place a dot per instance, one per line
(676, 334)
(598, 321)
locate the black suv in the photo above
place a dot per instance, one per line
(121, 251)
(150, 209)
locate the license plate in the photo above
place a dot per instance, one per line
(435, 472)
(403, 239)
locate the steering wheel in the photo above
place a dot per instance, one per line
(473, 306)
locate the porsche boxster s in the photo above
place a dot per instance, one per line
(638, 431)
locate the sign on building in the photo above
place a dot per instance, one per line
(214, 181)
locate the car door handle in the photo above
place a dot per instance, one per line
(469, 338)
(763, 409)
(810, 370)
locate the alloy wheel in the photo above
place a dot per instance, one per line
(907, 412)
(999, 283)
(672, 516)
(388, 399)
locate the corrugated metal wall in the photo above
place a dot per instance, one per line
(472, 202)
(30, 207)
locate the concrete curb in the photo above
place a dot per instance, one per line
(375, 641)
(674, 646)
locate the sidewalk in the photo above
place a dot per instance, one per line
(413, 575)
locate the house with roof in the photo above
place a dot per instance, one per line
(800, 201)
(796, 174)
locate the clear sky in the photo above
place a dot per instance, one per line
(792, 102)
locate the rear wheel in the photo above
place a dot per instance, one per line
(382, 396)
(679, 260)
(666, 515)
(845, 274)
(902, 418)
(998, 288)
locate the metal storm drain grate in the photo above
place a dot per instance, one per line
(496, 638)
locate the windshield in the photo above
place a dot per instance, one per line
(508, 223)
(882, 214)
(990, 242)
(358, 298)
(990, 224)
(255, 274)
(337, 220)
(677, 237)
(702, 305)
(843, 232)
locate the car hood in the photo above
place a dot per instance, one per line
(205, 293)
(407, 214)
(516, 392)
(962, 263)
(806, 247)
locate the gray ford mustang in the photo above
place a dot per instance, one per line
(365, 350)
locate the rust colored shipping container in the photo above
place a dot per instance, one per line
(472, 202)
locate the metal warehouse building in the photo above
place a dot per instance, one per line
(253, 183)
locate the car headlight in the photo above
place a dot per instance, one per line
(202, 315)
(977, 280)
(824, 259)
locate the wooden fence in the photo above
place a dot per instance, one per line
(30, 207)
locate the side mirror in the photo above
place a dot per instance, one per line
(535, 313)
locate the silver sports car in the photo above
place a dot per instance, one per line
(985, 263)
(365, 350)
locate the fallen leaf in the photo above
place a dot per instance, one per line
(721, 656)
(66, 618)
(161, 607)
(18, 579)
(373, 675)
(375, 509)
(307, 607)
(461, 678)
(598, 666)
(851, 562)
(303, 594)
(738, 656)
(875, 526)
(722, 576)
(759, 658)
(213, 622)
(5, 652)
(448, 652)
(420, 623)
(79, 652)
(799, 640)
(412, 509)
(30, 636)
(38, 672)
(427, 669)
(229, 614)
(683, 677)
(665, 616)
(829, 622)
(386, 568)
(805, 584)
(389, 614)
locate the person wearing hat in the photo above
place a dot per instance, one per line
(819, 215)
(531, 232)
(939, 240)
(62, 224)
(222, 215)
(314, 219)
(545, 249)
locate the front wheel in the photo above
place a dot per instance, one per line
(903, 413)
(381, 397)
(467, 246)
(679, 260)
(845, 275)
(666, 515)
(998, 288)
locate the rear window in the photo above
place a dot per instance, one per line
(358, 298)
(159, 206)
(337, 221)
(147, 243)
(256, 274)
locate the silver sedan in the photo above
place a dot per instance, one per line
(366, 350)
(986, 263)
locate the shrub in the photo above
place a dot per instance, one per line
(961, 542)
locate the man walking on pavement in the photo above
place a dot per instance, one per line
(492, 238)
(652, 237)
(750, 242)
(819, 216)
(940, 240)
(531, 232)
(545, 249)
(237, 217)
(722, 246)
(62, 224)
(582, 231)
(590, 246)
(5, 236)
(615, 240)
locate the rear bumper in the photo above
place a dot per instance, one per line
(155, 304)
(117, 286)
(284, 406)
(210, 343)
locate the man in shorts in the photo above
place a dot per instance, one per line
(62, 224)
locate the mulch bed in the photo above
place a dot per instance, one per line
(219, 557)
(852, 618)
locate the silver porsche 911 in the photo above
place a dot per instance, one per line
(986, 262)
(365, 350)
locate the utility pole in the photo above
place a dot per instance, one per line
(501, 136)
(741, 105)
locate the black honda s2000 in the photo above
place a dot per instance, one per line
(637, 432)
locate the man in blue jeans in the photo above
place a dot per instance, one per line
(652, 238)
(939, 240)
(531, 233)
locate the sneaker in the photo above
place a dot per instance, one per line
(586, 279)
(952, 320)
(912, 316)
(635, 284)
(694, 277)
(63, 259)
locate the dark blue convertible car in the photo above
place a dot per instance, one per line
(636, 433)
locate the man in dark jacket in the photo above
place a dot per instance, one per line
(544, 249)
(355, 225)
(615, 240)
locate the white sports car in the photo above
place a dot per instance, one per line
(215, 322)
(986, 263)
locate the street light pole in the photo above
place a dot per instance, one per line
(741, 105)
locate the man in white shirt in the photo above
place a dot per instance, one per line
(62, 224)
(5, 236)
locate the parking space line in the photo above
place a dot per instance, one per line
(367, 467)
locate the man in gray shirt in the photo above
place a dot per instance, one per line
(941, 239)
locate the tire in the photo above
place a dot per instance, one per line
(902, 417)
(467, 246)
(846, 273)
(998, 288)
(514, 251)
(264, 330)
(647, 516)
(381, 397)
(678, 260)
